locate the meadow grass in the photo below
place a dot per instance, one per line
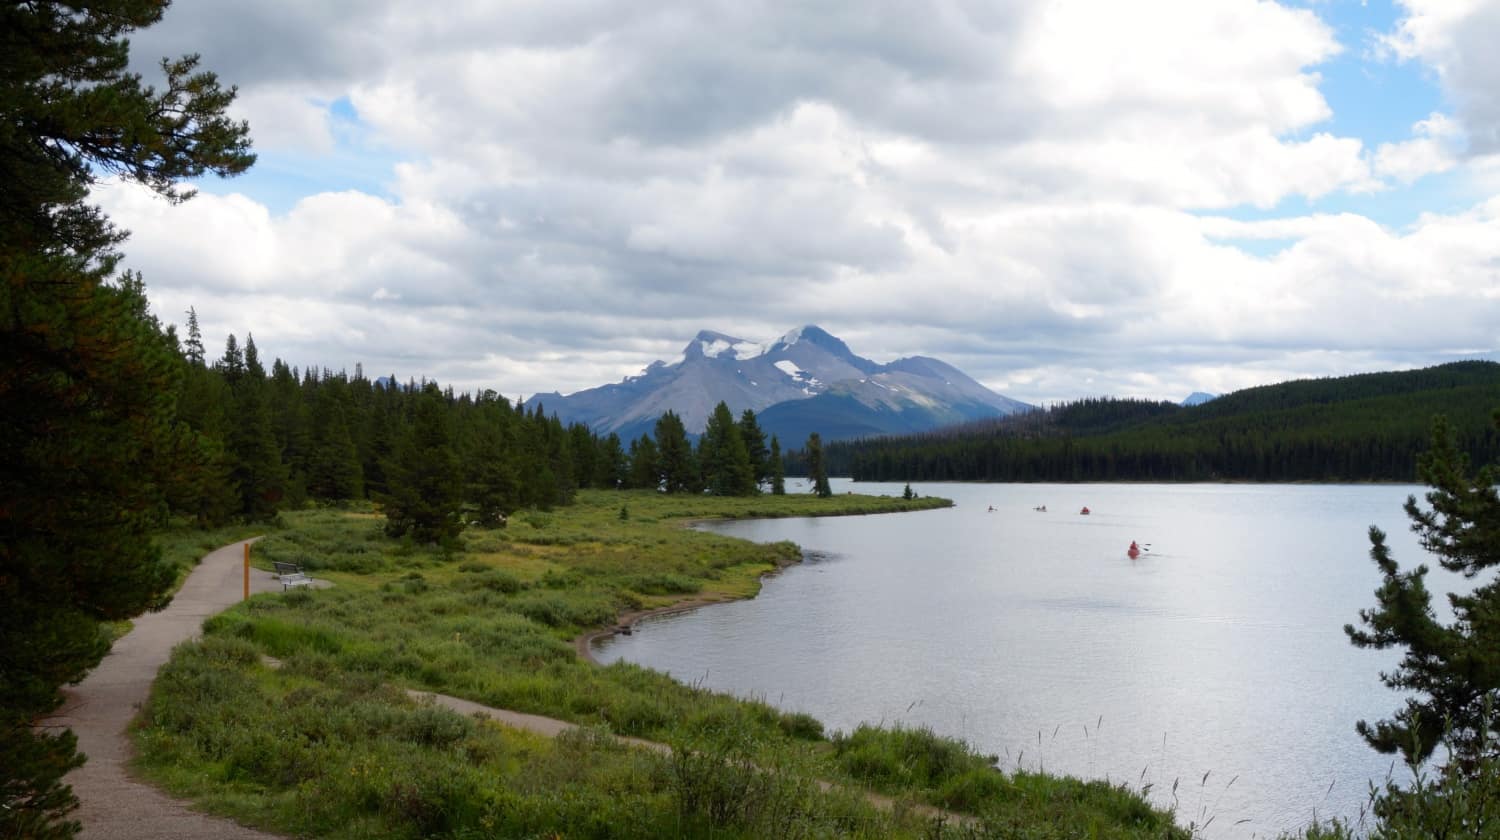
(330, 745)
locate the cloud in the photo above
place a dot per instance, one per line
(1433, 149)
(1026, 189)
(1457, 39)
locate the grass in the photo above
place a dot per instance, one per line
(330, 745)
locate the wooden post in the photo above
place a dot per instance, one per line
(247, 571)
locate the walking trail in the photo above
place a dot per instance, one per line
(116, 806)
(98, 710)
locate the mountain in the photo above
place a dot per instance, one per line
(805, 381)
(1197, 398)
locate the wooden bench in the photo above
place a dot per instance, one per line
(290, 575)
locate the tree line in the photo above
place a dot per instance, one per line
(1360, 428)
(262, 440)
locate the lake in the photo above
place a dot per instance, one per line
(1218, 652)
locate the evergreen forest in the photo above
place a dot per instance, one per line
(261, 440)
(1368, 427)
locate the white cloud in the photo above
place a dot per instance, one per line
(1433, 149)
(1013, 186)
(1457, 39)
(286, 118)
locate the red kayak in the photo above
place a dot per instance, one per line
(1134, 551)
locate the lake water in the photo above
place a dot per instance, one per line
(1033, 636)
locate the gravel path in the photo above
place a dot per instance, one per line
(112, 804)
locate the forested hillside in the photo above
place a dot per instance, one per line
(1368, 427)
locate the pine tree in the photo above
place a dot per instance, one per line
(87, 383)
(1453, 669)
(489, 463)
(675, 462)
(725, 463)
(423, 476)
(254, 456)
(378, 437)
(816, 470)
(231, 365)
(645, 466)
(333, 470)
(208, 492)
(778, 469)
(539, 481)
(193, 349)
(755, 447)
(292, 427)
(611, 467)
(583, 446)
(253, 368)
(560, 462)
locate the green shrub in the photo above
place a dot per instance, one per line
(557, 610)
(434, 727)
(902, 757)
(662, 583)
(801, 725)
(561, 579)
(496, 580)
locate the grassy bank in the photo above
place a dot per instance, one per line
(330, 746)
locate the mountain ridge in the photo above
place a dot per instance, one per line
(805, 380)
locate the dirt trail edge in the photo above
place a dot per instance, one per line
(111, 803)
(552, 727)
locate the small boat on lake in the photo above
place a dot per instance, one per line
(1084, 512)
(1134, 551)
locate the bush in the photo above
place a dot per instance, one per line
(496, 580)
(801, 725)
(662, 583)
(557, 610)
(901, 757)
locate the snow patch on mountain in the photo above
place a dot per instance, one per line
(712, 349)
(848, 393)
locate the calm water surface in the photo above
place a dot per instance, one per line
(1220, 651)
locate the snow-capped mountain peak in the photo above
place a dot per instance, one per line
(806, 365)
(716, 345)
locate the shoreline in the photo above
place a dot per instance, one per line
(625, 623)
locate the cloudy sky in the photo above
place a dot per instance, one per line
(1062, 198)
